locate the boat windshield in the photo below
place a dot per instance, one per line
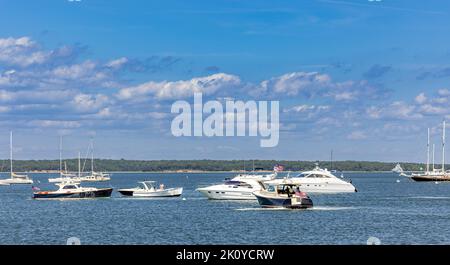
(305, 175)
(68, 187)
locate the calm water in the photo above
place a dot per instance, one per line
(396, 213)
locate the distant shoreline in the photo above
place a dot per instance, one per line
(196, 172)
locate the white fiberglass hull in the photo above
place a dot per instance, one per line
(218, 192)
(172, 192)
(94, 179)
(13, 181)
(314, 187)
(59, 180)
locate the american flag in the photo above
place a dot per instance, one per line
(278, 168)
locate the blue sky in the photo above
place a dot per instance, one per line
(365, 78)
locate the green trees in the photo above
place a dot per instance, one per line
(202, 165)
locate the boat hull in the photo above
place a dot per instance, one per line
(99, 193)
(431, 178)
(227, 194)
(285, 202)
(172, 192)
(16, 181)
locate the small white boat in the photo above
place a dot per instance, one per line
(95, 177)
(149, 189)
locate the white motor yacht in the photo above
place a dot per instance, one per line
(241, 187)
(149, 189)
(316, 181)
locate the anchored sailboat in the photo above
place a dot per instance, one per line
(14, 177)
(94, 176)
(64, 176)
(436, 174)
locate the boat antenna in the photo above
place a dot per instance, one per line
(443, 146)
(428, 151)
(331, 160)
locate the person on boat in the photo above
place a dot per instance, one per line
(161, 186)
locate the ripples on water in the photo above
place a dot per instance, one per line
(402, 212)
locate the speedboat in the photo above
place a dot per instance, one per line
(241, 187)
(148, 189)
(283, 195)
(318, 180)
(72, 190)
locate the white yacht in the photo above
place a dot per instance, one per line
(149, 189)
(14, 178)
(317, 181)
(241, 187)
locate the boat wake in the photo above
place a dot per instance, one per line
(315, 208)
(431, 197)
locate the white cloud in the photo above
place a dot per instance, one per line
(357, 135)
(421, 98)
(90, 103)
(117, 63)
(295, 83)
(208, 85)
(395, 110)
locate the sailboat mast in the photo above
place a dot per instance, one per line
(79, 164)
(443, 146)
(92, 156)
(433, 154)
(11, 153)
(428, 151)
(60, 154)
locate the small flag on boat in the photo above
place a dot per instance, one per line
(35, 188)
(278, 167)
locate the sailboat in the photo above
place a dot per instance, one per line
(397, 169)
(14, 177)
(64, 176)
(435, 174)
(94, 176)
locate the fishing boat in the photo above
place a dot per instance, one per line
(435, 174)
(72, 190)
(14, 177)
(150, 189)
(283, 195)
(317, 181)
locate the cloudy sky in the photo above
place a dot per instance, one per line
(364, 78)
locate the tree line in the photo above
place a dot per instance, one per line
(202, 165)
